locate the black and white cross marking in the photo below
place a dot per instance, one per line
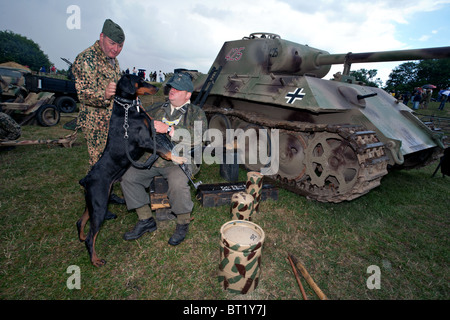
(294, 95)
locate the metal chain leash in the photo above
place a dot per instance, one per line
(127, 106)
(125, 120)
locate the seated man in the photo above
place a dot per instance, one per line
(176, 114)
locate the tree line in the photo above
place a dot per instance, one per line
(409, 75)
(17, 48)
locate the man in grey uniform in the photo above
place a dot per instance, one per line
(176, 114)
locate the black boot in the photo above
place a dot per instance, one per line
(110, 216)
(143, 226)
(115, 199)
(179, 235)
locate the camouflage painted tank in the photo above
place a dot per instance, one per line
(336, 138)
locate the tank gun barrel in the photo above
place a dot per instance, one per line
(382, 56)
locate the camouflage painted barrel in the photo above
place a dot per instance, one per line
(254, 187)
(242, 206)
(240, 256)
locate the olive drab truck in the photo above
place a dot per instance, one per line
(336, 138)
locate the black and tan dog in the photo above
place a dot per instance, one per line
(131, 134)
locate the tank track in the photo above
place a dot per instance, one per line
(369, 154)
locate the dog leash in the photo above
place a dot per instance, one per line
(127, 104)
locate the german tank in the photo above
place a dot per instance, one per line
(336, 139)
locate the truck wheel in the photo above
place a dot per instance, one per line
(9, 129)
(66, 104)
(48, 115)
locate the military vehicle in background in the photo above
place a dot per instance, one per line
(12, 80)
(29, 97)
(22, 105)
(337, 137)
(63, 90)
(19, 105)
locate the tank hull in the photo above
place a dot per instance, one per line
(335, 139)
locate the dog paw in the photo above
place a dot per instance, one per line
(178, 160)
(99, 262)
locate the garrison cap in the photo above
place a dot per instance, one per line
(181, 81)
(113, 31)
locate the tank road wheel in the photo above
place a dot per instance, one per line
(343, 166)
(239, 124)
(331, 162)
(292, 152)
(253, 155)
(220, 122)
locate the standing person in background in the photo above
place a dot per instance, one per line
(96, 72)
(417, 97)
(444, 97)
(427, 98)
(406, 97)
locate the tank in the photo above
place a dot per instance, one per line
(335, 139)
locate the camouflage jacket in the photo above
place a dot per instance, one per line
(189, 117)
(93, 72)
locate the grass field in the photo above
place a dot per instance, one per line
(402, 227)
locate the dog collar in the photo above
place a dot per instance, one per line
(127, 103)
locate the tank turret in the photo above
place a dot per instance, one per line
(332, 140)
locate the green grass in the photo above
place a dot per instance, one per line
(401, 227)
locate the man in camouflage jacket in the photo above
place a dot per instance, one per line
(179, 118)
(96, 72)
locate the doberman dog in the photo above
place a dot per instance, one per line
(131, 134)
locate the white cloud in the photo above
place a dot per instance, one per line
(169, 34)
(424, 38)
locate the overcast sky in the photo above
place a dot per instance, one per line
(164, 35)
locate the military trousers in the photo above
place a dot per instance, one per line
(135, 183)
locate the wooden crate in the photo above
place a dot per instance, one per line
(219, 194)
(158, 194)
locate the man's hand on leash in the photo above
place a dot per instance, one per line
(161, 127)
(110, 90)
(178, 160)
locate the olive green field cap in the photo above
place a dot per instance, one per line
(181, 81)
(113, 31)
